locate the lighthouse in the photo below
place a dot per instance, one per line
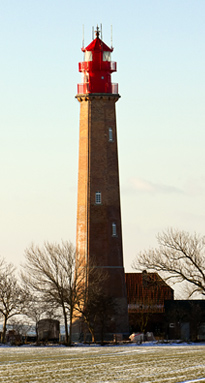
(99, 230)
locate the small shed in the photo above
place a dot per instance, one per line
(48, 330)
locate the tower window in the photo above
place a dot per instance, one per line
(114, 229)
(110, 134)
(98, 199)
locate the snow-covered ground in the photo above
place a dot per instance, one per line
(94, 364)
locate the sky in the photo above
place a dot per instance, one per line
(159, 46)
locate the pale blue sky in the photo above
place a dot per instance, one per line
(160, 51)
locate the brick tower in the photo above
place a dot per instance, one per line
(99, 233)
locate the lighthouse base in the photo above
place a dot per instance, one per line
(107, 327)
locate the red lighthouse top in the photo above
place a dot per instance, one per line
(97, 68)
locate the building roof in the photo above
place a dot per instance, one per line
(97, 45)
(147, 290)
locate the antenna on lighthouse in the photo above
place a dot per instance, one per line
(111, 37)
(101, 31)
(83, 37)
(93, 33)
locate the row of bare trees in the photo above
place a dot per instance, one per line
(53, 284)
(52, 280)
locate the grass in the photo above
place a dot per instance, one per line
(127, 364)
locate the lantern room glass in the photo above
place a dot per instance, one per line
(88, 56)
(106, 56)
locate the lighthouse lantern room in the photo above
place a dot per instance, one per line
(97, 68)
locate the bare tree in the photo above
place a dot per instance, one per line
(20, 329)
(12, 297)
(2, 264)
(97, 312)
(52, 271)
(94, 303)
(88, 305)
(36, 307)
(180, 256)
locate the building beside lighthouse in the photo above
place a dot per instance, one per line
(99, 231)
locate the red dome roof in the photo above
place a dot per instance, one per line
(97, 45)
